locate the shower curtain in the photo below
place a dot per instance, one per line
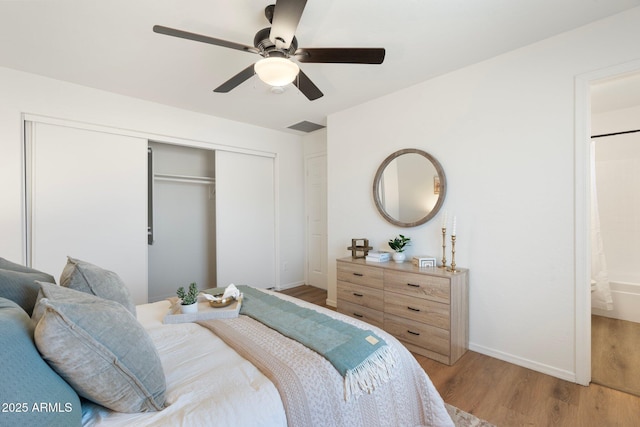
(600, 289)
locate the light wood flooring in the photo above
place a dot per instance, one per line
(509, 396)
(615, 354)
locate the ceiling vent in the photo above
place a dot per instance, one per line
(305, 126)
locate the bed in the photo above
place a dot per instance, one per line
(239, 372)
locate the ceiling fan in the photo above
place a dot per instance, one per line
(277, 45)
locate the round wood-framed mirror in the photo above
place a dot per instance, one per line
(409, 187)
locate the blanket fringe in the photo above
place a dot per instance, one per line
(374, 371)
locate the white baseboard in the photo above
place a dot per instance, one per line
(626, 301)
(526, 363)
(331, 303)
(284, 286)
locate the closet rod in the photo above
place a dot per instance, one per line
(184, 178)
(615, 133)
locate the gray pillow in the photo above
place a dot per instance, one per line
(89, 278)
(27, 380)
(17, 283)
(5, 264)
(56, 293)
(99, 348)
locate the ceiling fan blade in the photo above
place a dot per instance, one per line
(344, 55)
(236, 80)
(204, 39)
(307, 87)
(286, 17)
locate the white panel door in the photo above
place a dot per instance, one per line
(88, 197)
(245, 220)
(316, 196)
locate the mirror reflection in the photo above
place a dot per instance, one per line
(409, 187)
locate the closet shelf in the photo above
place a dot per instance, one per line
(184, 178)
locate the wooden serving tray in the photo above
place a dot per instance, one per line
(205, 312)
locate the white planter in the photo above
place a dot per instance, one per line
(398, 256)
(191, 308)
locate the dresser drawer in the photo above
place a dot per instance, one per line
(421, 310)
(369, 315)
(361, 295)
(418, 285)
(418, 334)
(360, 274)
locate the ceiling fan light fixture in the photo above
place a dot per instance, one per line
(276, 71)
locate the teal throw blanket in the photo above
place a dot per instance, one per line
(360, 356)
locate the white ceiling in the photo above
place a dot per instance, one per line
(109, 45)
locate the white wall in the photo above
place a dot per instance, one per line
(615, 121)
(315, 142)
(28, 93)
(503, 130)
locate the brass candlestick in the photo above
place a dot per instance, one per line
(453, 255)
(444, 246)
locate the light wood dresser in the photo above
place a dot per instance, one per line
(425, 308)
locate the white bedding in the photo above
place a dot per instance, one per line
(209, 384)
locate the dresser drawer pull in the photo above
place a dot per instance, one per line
(358, 274)
(413, 333)
(413, 309)
(358, 315)
(357, 294)
(413, 285)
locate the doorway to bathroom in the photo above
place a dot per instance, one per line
(615, 237)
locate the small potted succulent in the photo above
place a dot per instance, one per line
(188, 299)
(398, 244)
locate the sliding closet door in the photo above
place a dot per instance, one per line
(245, 220)
(87, 193)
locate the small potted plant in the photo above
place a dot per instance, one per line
(398, 244)
(188, 299)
